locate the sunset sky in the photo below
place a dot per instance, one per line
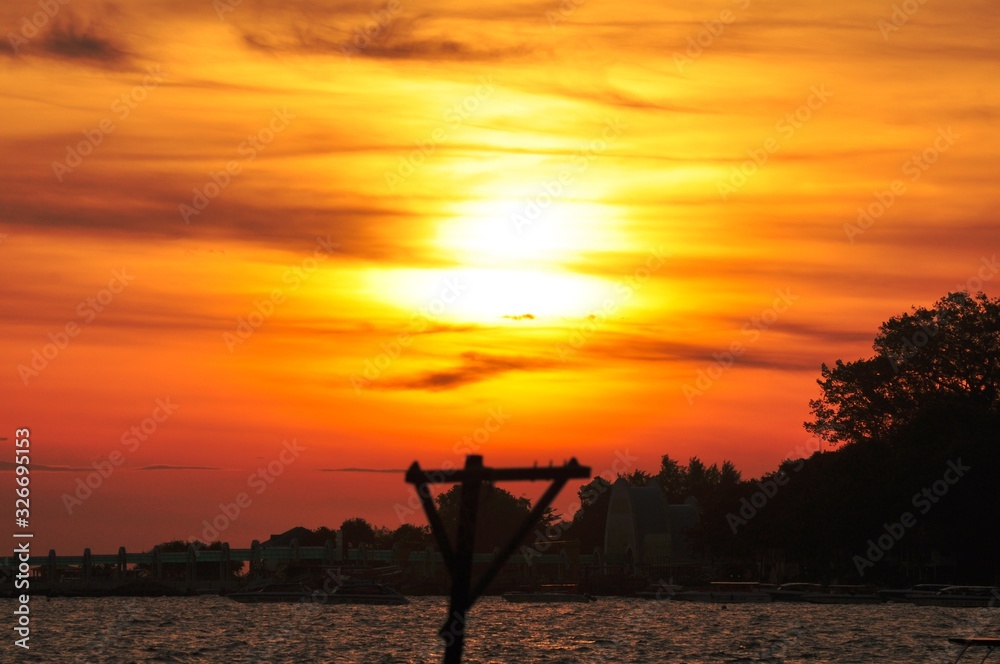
(392, 232)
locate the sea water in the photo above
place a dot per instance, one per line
(215, 629)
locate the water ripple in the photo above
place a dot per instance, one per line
(214, 629)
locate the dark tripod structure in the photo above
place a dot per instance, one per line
(459, 558)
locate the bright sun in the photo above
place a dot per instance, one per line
(512, 262)
(513, 234)
(491, 295)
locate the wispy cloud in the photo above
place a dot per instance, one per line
(90, 36)
(9, 465)
(166, 467)
(73, 38)
(392, 471)
(392, 47)
(474, 367)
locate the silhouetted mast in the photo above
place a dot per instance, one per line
(459, 559)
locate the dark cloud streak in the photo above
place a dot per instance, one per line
(475, 367)
(74, 39)
(391, 471)
(71, 36)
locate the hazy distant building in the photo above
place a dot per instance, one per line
(296, 534)
(642, 529)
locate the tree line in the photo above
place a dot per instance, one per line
(904, 491)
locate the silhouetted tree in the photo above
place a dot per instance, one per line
(412, 536)
(498, 513)
(717, 491)
(673, 478)
(383, 538)
(700, 478)
(637, 477)
(589, 521)
(938, 365)
(926, 407)
(357, 531)
(728, 475)
(407, 538)
(318, 537)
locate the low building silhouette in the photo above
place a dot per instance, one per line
(643, 530)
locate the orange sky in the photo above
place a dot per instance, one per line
(377, 229)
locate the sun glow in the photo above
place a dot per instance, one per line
(513, 255)
(492, 295)
(540, 230)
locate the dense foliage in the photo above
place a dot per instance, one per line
(938, 366)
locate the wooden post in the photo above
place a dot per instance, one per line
(461, 571)
(53, 568)
(192, 566)
(459, 560)
(255, 560)
(224, 564)
(330, 550)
